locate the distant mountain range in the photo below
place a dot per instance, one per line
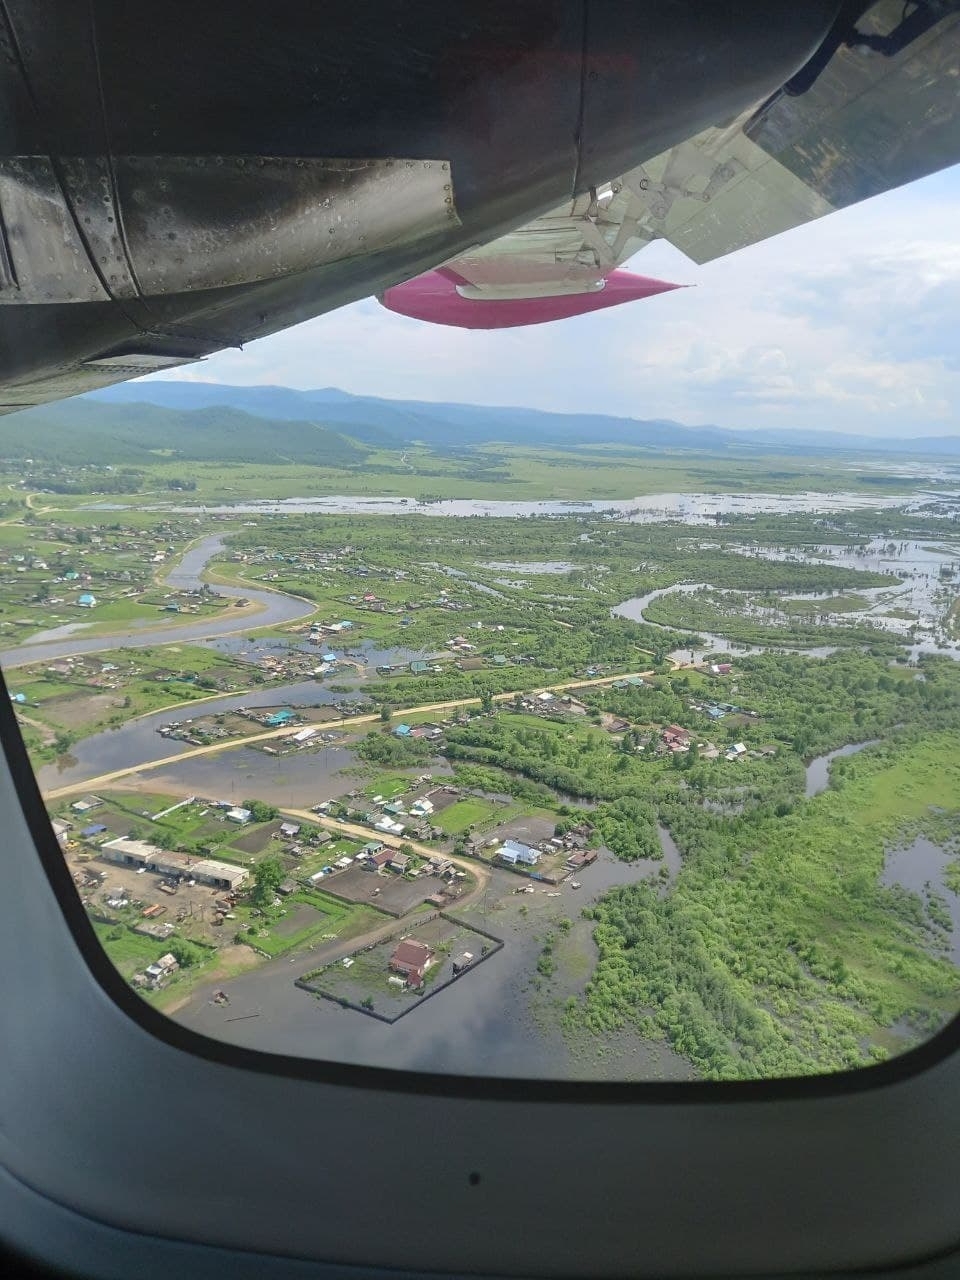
(139, 422)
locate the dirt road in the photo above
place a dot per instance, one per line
(105, 779)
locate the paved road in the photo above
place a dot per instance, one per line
(105, 779)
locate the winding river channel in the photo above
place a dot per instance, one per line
(275, 609)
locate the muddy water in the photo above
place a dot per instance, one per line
(139, 741)
(920, 867)
(496, 1021)
(818, 770)
(276, 608)
(691, 508)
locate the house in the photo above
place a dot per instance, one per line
(513, 852)
(418, 666)
(463, 961)
(289, 829)
(389, 827)
(372, 847)
(411, 959)
(86, 803)
(281, 717)
(87, 601)
(239, 815)
(421, 808)
(377, 860)
(399, 862)
(545, 697)
(61, 831)
(402, 731)
(286, 887)
(157, 974)
(97, 829)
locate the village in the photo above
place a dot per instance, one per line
(347, 866)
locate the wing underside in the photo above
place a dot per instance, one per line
(878, 106)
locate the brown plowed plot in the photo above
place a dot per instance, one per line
(300, 916)
(255, 841)
(527, 830)
(439, 799)
(74, 711)
(397, 894)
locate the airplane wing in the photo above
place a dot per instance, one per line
(878, 106)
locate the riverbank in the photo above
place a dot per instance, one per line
(267, 608)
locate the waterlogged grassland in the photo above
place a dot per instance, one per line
(778, 952)
(746, 619)
(584, 472)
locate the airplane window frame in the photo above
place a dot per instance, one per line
(908, 1065)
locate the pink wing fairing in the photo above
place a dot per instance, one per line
(436, 297)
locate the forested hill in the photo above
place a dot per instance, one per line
(397, 423)
(85, 431)
(140, 422)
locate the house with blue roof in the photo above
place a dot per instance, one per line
(283, 716)
(402, 731)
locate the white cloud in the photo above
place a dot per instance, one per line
(850, 323)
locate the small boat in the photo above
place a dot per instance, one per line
(574, 884)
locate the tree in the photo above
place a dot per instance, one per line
(386, 712)
(260, 811)
(268, 875)
(486, 700)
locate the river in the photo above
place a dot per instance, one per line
(818, 770)
(276, 609)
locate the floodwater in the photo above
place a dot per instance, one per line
(818, 770)
(920, 867)
(276, 608)
(690, 508)
(928, 575)
(490, 1023)
(138, 740)
(533, 567)
(634, 610)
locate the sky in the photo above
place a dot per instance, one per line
(851, 323)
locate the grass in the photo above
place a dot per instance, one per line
(388, 785)
(470, 812)
(330, 917)
(129, 952)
